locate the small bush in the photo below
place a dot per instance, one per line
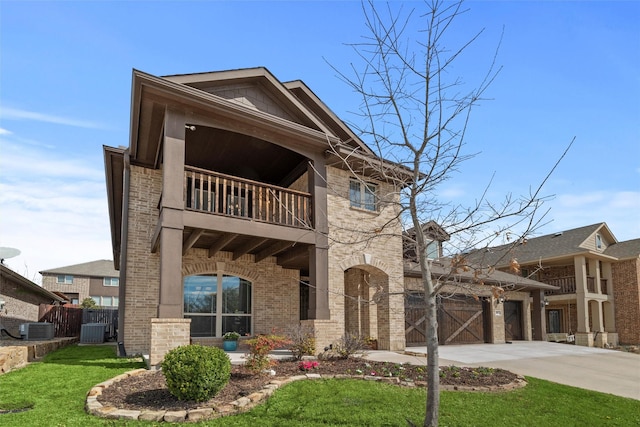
(195, 372)
(303, 343)
(349, 345)
(259, 349)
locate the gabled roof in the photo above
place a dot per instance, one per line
(432, 230)
(550, 246)
(99, 268)
(28, 284)
(624, 250)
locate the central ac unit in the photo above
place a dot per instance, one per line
(36, 331)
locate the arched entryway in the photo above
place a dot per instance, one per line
(368, 312)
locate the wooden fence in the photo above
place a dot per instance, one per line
(67, 321)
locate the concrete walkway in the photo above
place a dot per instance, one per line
(603, 370)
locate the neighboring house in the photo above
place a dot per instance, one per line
(231, 211)
(96, 279)
(474, 305)
(20, 300)
(598, 300)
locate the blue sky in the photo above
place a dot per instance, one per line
(570, 69)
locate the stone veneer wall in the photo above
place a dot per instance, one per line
(357, 239)
(626, 292)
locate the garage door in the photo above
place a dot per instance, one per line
(460, 321)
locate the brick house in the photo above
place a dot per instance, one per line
(230, 210)
(20, 300)
(98, 280)
(474, 305)
(598, 300)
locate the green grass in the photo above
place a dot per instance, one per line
(56, 387)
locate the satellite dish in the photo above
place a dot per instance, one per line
(6, 253)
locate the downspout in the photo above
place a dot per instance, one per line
(124, 232)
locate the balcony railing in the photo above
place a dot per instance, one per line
(567, 285)
(221, 194)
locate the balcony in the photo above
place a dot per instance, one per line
(567, 285)
(219, 194)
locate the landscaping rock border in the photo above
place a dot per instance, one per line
(93, 407)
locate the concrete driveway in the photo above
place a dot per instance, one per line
(607, 371)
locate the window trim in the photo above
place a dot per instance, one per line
(67, 279)
(364, 188)
(219, 313)
(110, 280)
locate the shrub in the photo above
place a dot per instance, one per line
(259, 349)
(302, 342)
(195, 372)
(350, 344)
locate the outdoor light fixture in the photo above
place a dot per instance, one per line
(544, 303)
(500, 300)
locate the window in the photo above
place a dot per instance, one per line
(106, 302)
(598, 241)
(213, 313)
(67, 280)
(363, 195)
(111, 281)
(433, 250)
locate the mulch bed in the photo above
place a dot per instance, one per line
(148, 391)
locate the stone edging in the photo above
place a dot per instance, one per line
(243, 404)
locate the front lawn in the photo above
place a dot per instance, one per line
(57, 386)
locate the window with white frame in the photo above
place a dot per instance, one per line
(106, 302)
(66, 279)
(110, 281)
(362, 195)
(216, 304)
(433, 250)
(598, 241)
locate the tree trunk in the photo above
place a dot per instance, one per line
(433, 368)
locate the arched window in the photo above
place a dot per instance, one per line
(212, 316)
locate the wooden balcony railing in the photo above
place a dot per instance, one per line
(567, 285)
(220, 194)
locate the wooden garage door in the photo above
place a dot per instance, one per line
(460, 321)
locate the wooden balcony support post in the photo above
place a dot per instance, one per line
(319, 253)
(580, 265)
(171, 216)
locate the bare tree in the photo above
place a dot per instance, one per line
(415, 112)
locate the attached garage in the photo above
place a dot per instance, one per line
(503, 307)
(461, 320)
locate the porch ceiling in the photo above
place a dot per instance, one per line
(289, 254)
(243, 156)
